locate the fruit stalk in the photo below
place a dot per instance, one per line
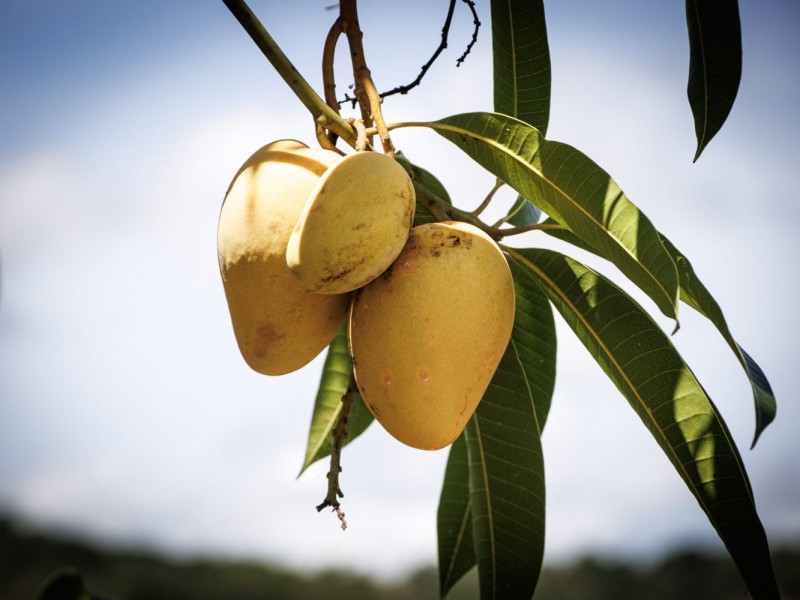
(367, 94)
(281, 63)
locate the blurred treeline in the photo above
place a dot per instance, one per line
(27, 559)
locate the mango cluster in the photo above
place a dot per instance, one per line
(309, 240)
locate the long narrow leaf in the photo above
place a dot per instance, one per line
(534, 346)
(506, 480)
(715, 64)
(696, 295)
(328, 404)
(521, 61)
(454, 519)
(573, 190)
(534, 337)
(639, 358)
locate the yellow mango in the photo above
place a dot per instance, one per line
(279, 325)
(426, 337)
(354, 225)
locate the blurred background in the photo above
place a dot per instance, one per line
(127, 416)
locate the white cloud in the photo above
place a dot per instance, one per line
(127, 411)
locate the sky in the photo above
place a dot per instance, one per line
(126, 411)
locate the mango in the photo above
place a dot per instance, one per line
(427, 336)
(279, 325)
(354, 225)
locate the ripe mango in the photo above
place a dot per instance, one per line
(279, 325)
(354, 225)
(426, 337)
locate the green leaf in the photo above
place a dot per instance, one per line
(533, 342)
(696, 295)
(521, 61)
(328, 405)
(715, 64)
(534, 337)
(573, 190)
(506, 480)
(639, 358)
(454, 519)
(523, 212)
(426, 180)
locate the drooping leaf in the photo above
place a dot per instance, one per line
(639, 358)
(534, 337)
(523, 212)
(506, 480)
(328, 404)
(696, 295)
(454, 519)
(569, 187)
(715, 64)
(521, 61)
(534, 344)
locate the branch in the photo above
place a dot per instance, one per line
(444, 211)
(477, 23)
(404, 89)
(365, 91)
(339, 436)
(305, 93)
(486, 201)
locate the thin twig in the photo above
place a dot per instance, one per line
(477, 23)
(404, 89)
(339, 436)
(486, 201)
(444, 211)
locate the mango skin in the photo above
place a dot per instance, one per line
(427, 336)
(279, 325)
(354, 225)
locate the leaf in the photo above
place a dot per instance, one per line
(454, 519)
(506, 480)
(524, 212)
(328, 405)
(696, 295)
(715, 64)
(639, 358)
(427, 180)
(534, 336)
(521, 61)
(573, 190)
(534, 341)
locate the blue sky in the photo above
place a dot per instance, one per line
(125, 410)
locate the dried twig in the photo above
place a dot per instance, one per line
(339, 435)
(404, 89)
(477, 23)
